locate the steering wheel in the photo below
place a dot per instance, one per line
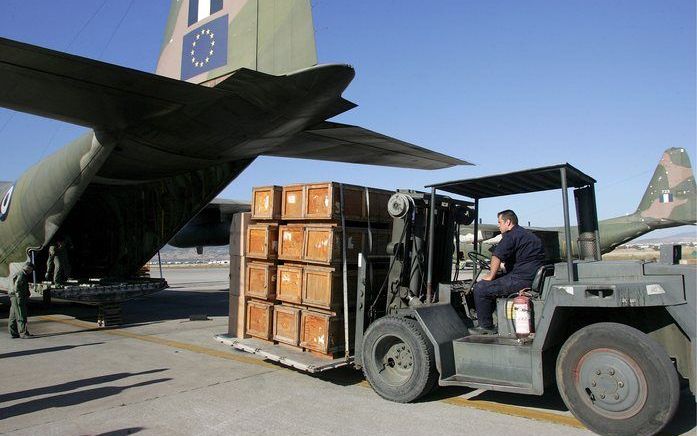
(481, 260)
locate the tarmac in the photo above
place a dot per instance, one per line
(160, 373)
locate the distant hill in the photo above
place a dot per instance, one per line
(678, 238)
(174, 255)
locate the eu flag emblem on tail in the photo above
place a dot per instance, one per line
(205, 48)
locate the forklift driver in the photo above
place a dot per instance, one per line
(523, 254)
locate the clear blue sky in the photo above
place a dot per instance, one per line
(604, 85)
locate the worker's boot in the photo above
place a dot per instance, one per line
(481, 331)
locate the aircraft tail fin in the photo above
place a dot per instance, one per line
(671, 196)
(209, 39)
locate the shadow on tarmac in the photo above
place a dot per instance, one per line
(71, 399)
(123, 431)
(685, 418)
(344, 376)
(72, 385)
(169, 304)
(174, 304)
(43, 350)
(550, 400)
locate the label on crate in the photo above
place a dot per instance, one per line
(290, 199)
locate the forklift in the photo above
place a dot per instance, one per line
(617, 337)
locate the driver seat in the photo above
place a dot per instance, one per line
(538, 282)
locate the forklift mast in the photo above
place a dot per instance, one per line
(421, 221)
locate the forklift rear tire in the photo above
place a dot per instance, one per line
(617, 381)
(398, 359)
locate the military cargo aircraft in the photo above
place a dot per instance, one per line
(234, 80)
(670, 200)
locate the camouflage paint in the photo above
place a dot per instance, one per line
(670, 200)
(270, 36)
(44, 195)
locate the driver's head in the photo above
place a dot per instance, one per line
(507, 220)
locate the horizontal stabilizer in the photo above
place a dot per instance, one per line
(353, 144)
(211, 227)
(86, 92)
(228, 207)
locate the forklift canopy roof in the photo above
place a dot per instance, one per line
(518, 182)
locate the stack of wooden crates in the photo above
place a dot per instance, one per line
(294, 276)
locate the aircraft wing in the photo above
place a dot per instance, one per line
(345, 143)
(86, 92)
(110, 97)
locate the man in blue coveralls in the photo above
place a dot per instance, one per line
(522, 253)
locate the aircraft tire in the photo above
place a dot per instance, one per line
(617, 381)
(398, 359)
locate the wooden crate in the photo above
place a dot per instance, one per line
(323, 243)
(286, 324)
(238, 240)
(321, 332)
(261, 280)
(238, 234)
(289, 283)
(323, 287)
(266, 202)
(322, 201)
(291, 240)
(259, 319)
(292, 202)
(262, 241)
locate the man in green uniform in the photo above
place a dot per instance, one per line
(58, 264)
(19, 296)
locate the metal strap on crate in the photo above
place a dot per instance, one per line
(344, 273)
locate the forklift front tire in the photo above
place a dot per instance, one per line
(398, 359)
(617, 381)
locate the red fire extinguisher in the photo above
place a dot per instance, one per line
(522, 321)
